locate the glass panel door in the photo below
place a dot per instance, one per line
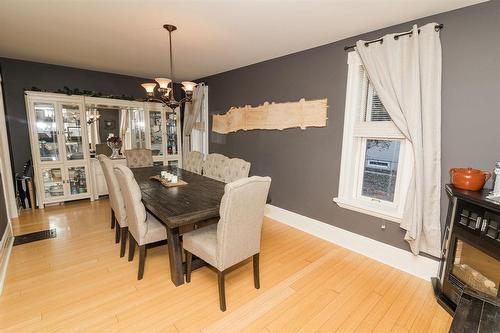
(172, 145)
(46, 131)
(476, 269)
(72, 126)
(77, 180)
(52, 180)
(156, 132)
(137, 130)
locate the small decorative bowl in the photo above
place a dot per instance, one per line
(468, 178)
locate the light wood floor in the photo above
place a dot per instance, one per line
(77, 282)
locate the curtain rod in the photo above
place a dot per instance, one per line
(437, 28)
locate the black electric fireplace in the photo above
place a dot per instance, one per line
(471, 248)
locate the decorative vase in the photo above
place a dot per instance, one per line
(115, 153)
(115, 149)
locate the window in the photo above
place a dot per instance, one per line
(374, 167)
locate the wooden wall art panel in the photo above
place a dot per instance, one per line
(272, 116)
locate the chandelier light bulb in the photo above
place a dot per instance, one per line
(149, 87)
(163, 83)
(188, 86)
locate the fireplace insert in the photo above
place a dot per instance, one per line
(471, 248)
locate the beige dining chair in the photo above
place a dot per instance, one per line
(193, 162)
(118, 213)
(143, 227)
(214, 166)
(237, 235)
(236, 168)
(139, 158)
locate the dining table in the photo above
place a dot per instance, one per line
(180, 208)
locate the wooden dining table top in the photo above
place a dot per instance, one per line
(197, 201)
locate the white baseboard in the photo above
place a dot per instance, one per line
(5, 249)
(419, 266)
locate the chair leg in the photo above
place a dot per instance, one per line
(256, 277)
(117, 233)
(123, 238)
(131, 247)
(142, 259)
(222, 290)
(189, 261)
(113, 218)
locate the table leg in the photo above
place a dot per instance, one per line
(175, 256)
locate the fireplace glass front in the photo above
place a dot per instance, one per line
(476, 269)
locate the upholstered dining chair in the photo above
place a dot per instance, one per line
(143, 227)
(193, 162)
(214, 166)
(236, 168)
(118, 213)
(237, 235)
(139, 157)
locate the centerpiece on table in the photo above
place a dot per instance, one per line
(115, 143)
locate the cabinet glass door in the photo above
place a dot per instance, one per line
(77, 180)
(52, 182)
(155, 130)
(73, 139)
(172, 144)
(46, 131)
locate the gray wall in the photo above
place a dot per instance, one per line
(304, 165)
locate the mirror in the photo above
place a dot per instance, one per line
(104, 121)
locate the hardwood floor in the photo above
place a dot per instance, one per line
(78, 282)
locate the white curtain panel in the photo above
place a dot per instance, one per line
(191, 112)
(406, 73)
(124, 115)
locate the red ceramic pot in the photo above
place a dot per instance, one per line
(468, 178)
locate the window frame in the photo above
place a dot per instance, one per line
(356, 133)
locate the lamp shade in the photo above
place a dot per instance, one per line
(149, 87)
(163, 82)
(188, 86)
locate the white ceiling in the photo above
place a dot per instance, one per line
(126, 36)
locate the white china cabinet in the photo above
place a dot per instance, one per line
(66, 130)
(164, 134)
(57, 126)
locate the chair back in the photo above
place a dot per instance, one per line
(103, 148)
(138, 158)
(241, 213)
(193, 162)
(214, 166)
(236, 168)
(115, 194)
(136, 212)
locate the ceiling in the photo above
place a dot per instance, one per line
(126, 36)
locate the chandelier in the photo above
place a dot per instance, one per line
(166, 86)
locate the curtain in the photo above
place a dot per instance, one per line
(199, 133)
(95, 128)
(124, 128)
(191, 112)
(406, 73)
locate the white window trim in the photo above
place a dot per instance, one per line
(351, 170)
